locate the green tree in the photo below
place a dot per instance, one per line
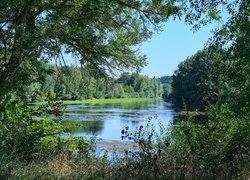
(200, 79)
(99, 33)
(226, 76)
(119, 91)
(166, 86)
(235, 37)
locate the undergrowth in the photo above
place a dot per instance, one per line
(31, 148)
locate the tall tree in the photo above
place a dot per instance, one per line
(99, 33)
(200, 79)
(231, 64)
(235, 37)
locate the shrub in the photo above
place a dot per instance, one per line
(26, 137)
(216, 148)
(21, 133)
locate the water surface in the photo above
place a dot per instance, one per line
(106, 121)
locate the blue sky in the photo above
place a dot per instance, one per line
(166, 49)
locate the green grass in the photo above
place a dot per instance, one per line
(104, 101)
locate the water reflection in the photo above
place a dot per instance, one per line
(107, 120)
(197, 116)
(88, 127)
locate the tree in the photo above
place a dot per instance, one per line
(200, 79)
(99, 33)
(167, 88)
(165, 79)
(231, 64)
(235, 37)
(119, 91)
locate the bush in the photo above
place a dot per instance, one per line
(21, 133)
(216, 148)
(206, 149)
(28, 144)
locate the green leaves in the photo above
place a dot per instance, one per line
(21, 134)
(214, 15)
(100, 34)
(200, 79)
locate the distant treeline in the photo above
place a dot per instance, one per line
(212, 76)
(74, 83)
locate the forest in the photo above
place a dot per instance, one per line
(74, 83)
(103, 37)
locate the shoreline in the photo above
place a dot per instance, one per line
(100, 101)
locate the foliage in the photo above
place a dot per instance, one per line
(105, 101)
(145, 162)
(32, 148)
(98, 34)
(142, 85)
(25, 137)
(75, 83)
(220, 72)
(102, 35)
(167, 88)
(235, 35)
(58, 166)
(206, 149)
(201, 13)
(200, 79)
(21, 134)
(214, 149)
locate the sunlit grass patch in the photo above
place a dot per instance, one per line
(103, 101)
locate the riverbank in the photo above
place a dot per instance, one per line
(33, 149)
(102, 101)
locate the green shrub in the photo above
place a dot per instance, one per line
(21, 133)
(217, 148)
(26, 139)
(214, 148)
(24, 135)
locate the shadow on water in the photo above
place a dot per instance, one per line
(181, 115)
(107, 120)
(136, 105)
(88, 127)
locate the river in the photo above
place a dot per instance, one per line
(106, 121)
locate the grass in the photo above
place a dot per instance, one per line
(103, 101)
